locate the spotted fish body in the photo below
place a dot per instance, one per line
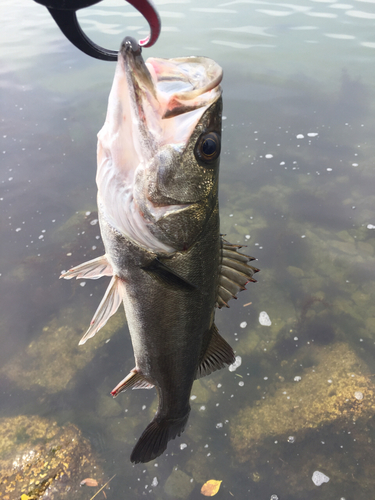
(157, 177)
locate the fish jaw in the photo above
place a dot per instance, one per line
(153, 111)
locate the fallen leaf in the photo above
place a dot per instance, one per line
(25, 497)
(89, 482)
(210, 488)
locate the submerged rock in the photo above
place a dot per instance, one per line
(325, 394)
(178, 485)
(40, 459)
(52, 359)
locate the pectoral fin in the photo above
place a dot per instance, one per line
(107, 307)
(134, 380)
(235, 273)
(93, 269)
(218, 354)
(168, 276)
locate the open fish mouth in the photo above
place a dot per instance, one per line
(153, 110)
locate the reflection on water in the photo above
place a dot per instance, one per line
(297, 183)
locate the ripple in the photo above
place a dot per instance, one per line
(360, 14)
(276, 13)
(252, 30)
(304, 28)
(236, 45)
(166, 2)
(164, 13)
(106, 28)
(339, 37)
(327, 15)
(370, 45)
(213, 10)
(343, 6)
(170, 28)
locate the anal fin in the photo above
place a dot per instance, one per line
(218, 354)
(93, 269)
(134, 380)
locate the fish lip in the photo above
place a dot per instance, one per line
(135, 67)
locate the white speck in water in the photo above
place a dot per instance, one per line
(230, 215)
(18, 229)
(291, 439)
(94, 222)
(41, 236)
(183, 446)
(202, 408)
(233, 367)
(264, 319)
(303, 235)
(155, 482)
(219, 425)
(295, 338)
(274, 497)
(358, 395)
(265, 378)
(268, 155)
(69, 254)
(144, 407)
(300, 136)
(318, 478)
(243, 324)
(297, 378)
(354, 164)
(87, 214)
(93, 247)
(241, 383)
(108, 340)
(329, 381)
(329, 169)
(219, 385)
(247, 236)
(193, 397)
(312, 134)
(83, 283)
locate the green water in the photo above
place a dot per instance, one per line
(297, 187)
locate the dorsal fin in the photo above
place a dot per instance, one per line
(235, 273)
(93, 269)
(134, 380)
(218, 354)
(107, 307)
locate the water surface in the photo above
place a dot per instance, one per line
(297, 187)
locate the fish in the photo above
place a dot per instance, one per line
(157, 176)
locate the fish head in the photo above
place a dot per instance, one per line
(159, 149)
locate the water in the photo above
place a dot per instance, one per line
(297, 186)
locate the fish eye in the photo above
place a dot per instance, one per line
(207, 148)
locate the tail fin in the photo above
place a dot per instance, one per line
(155, 437)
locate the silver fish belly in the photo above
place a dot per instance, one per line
(157, 178)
